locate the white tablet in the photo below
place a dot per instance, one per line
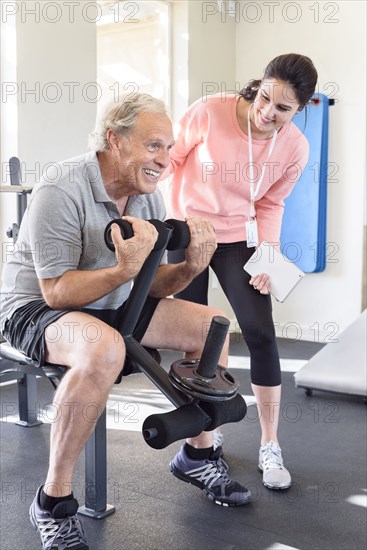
(283, 274)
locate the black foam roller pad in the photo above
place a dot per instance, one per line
(160, 430)
(224, 412)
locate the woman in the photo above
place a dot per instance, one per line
(235, 160)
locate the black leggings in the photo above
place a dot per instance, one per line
(252, 309)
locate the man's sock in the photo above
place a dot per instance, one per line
(48, 503)
(198, 454)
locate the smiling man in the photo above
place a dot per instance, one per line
(64, 292)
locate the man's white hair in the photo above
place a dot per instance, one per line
(120, 116)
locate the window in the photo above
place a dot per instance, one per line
(133, 48)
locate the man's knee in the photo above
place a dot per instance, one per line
(106, 357)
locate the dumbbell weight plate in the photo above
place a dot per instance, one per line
(223, 386)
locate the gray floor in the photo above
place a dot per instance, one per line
(324, 445)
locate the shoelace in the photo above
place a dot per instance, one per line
(210, 473)
(272, 458)
(70, 529)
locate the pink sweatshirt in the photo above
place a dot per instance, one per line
(210, 167)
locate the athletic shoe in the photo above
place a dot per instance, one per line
(218, 438)
(275, 475)
(211, 476)
(60, 529)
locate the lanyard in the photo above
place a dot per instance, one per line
(253, 191)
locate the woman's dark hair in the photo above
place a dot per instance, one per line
(296, 70)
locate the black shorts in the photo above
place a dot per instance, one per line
(25, 330)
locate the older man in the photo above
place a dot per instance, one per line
(62, 279)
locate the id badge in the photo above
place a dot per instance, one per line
(251, 233)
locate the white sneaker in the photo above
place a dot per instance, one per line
(218, 438)
(275, 475)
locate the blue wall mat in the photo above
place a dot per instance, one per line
(303, 235)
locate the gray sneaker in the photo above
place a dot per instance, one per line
(275, 475)
(60, 529)
(211, 476)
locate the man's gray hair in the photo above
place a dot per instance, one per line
(120, 116)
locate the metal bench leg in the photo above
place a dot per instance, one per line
(28, 404)
(96, 473)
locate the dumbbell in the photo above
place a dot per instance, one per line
(179, 237)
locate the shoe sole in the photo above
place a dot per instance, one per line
(274, 487)
(187, 479)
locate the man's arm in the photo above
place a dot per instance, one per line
(172, 278)
(77, 288)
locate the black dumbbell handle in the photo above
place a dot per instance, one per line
(180, 236)
(213, 347)
(127, 232)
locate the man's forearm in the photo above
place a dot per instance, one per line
(77, 289)
(172, 278)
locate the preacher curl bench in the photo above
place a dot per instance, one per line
(204, 393)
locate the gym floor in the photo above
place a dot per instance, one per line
(323, 440)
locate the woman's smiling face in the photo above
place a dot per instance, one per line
(275, 105)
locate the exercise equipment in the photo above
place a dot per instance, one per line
(207, 381)
(179, 236)
(303, 234)
(204, 378)
(340, 366)
(21, 190)
(191, 416)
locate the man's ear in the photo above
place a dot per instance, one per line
(113, 140)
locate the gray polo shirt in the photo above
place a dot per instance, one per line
(63, 229)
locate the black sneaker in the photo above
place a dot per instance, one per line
(211, 476)
(60, 529)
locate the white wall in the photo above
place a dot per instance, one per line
(54, 123)
(55, 97)
(201, 63)
(211, 59)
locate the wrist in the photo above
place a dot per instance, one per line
(189, 270)
(123, 272)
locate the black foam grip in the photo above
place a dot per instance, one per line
(160, 430)
(127, 232)
(180, 237)
(224, 412)
(125, 228)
